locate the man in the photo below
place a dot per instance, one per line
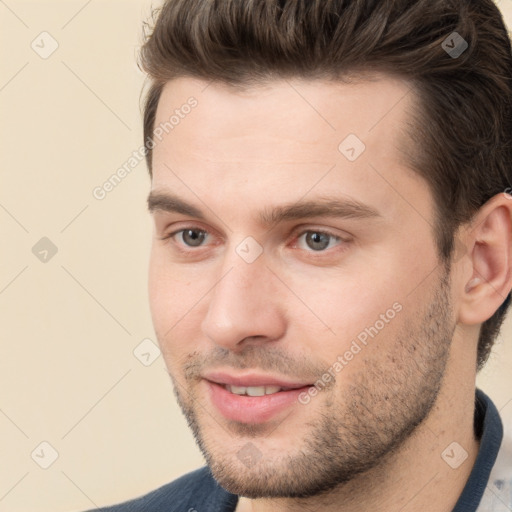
(331, 260)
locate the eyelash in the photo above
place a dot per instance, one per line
(301, 233)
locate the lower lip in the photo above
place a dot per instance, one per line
(252, 409)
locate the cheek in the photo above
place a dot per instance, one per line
(175, 304)
(168, 294)
(164, 300)
(354, 315)
(345, 302)
(157, 287)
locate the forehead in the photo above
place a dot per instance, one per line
(286, 135)
(281, 116)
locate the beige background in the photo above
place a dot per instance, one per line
(68, 374)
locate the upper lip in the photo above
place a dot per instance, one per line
(252, 379)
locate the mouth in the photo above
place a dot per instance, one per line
(253, 404)
(255, 390)
(254, 380)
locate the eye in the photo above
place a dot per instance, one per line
(318, 241)
(313, 240)
(190, 237)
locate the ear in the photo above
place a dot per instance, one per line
(487, 277)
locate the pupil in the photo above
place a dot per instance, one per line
(193, 237)
(317, 238)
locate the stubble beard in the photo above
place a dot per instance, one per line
(357, 427)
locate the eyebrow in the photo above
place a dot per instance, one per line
(321, 207)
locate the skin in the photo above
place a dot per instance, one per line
(373, 438)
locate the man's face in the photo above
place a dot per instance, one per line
(351, 297)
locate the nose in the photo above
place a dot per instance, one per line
(244, 306)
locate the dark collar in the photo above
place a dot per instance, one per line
(489, 430)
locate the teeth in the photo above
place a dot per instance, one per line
(253, 390)
(237, 390)
(270, 390)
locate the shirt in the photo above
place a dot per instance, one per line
(488, 488)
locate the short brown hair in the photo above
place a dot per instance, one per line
(462, 129)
